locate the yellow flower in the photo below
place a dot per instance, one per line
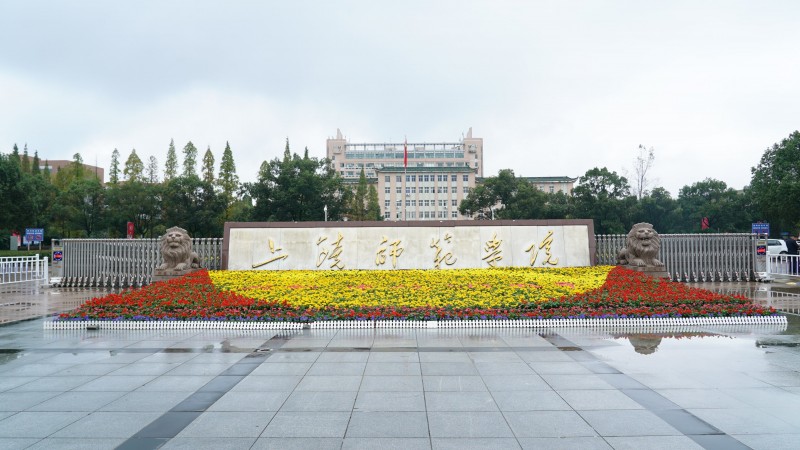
(457, 288)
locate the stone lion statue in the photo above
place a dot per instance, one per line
(641, 247)
(176, 249)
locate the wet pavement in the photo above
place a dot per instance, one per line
(699, 387)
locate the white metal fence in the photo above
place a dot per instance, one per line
(20, 269)
(124, 262)
(783, 265)
(695, 257)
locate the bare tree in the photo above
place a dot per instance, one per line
(641, 168)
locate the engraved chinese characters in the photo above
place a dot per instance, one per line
(429, 248)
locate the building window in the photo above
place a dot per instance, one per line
(466, 178)
(399, 189)
(453, 178)
(454, 202)
(387, 190)
(551, 188)
(454, 214)
(466, 189)
(387, 178)
(399, 178)
(387, 215)
(387, 203)
(399, 203)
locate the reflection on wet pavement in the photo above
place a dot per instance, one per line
(24, 301)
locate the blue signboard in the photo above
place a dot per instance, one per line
(33, 235)
(760, 228)
(58, 255)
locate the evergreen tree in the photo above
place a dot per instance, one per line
(113, 177)
(15, 155)
(35, 165)
(208, 166)
(228, 181)
(46, 172)
(171, 166)
(152, 170)
(26, 161)
(373, 204)
(134, 167)
(189, 160)
(358, 207)
(77, 167)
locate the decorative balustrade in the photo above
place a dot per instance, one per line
(122, 263)
(695, 257)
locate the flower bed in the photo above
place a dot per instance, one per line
(495, 294)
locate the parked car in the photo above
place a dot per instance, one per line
(777, 247)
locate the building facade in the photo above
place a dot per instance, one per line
(415, 181)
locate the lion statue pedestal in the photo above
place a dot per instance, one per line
(176, 250)
(640, 251)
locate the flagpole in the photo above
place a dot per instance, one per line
(405, 175)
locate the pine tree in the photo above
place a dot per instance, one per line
(15, 155)
(228, 181)
(373, 204)
(26, 161)
(134, 167)
(208, 166)
(152, 170)
(77, 167)
(46, 172)
(36, 162)
(113, 177)
(189, 160)
(171, 166)
(358, 210)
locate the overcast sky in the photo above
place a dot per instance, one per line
(553, 87)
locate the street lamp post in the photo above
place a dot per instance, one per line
(492, 208)
(326, 212)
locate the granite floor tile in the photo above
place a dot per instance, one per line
(282, 368)
(561, 382)
(330, 383)
(598, 399)
(292, 443)
(193, 368)
(233, 424)
(567, 443)
(123, 383)
(744, 421)
(18, 443)
(474, 444)
(628, 423)
(320, 401)
(337, 368)
(108, 425)
(460, 401)
(20, 401)
(146, 401)
(250, 401)
(209, 443)
(515, 383)
(454, 383)
(386, 443)
(652, 442)
(769, 441)
(75, 444)
(54, 383)
(468, 424)
(448, 368)
(393, 368)
(528, 424)
(78, 401)
(503, 368)
(343, 357)
(258, 383)
(387, 383)
(393, 424)
(308, 424)
(390, 401)
(37, 424)
(393, 357)
(170, 383)
(529, 401)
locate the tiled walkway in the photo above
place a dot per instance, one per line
(488, 389)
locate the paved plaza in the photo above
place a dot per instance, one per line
(715, 388)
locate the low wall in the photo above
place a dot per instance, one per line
(407, 245)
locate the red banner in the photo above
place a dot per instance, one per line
(130, 230)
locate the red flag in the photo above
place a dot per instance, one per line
(704, 225)
(405, 153)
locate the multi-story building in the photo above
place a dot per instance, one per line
(415, 181)
(553, 184)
